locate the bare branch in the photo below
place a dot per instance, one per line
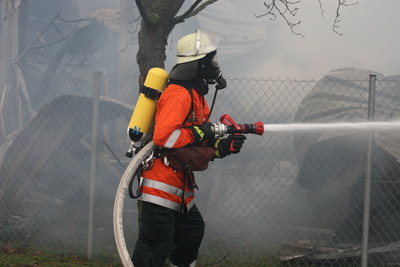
(133, 38)
(193, 10)
(336, 22)
(284, 8)
(320, 8)
(201, 7)
(287, 10)
(10, 8)
(181, 18)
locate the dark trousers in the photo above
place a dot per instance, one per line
(164, 232)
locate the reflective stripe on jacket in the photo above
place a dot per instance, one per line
(163, 185)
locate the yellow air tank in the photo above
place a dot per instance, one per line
(145, 109)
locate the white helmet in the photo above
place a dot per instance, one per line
(196, 45)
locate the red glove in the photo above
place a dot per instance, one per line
(230, 145)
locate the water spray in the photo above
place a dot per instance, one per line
(229, 126)
(305, 127)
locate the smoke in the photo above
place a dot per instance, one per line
(45, 161)
(249, 200)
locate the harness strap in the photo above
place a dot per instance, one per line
(150, 93)
(191, 111)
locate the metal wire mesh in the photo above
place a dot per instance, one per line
(293, 196)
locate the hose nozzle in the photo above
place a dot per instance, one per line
(229, 126)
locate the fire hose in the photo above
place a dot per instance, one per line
(226, 126)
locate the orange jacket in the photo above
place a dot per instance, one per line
(161, 184)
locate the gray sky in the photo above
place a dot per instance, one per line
(252, 47)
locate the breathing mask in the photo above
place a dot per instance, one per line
(209, 70)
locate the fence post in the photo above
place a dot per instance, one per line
(93, 163)
(367, 185)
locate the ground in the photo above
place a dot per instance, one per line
(18, 257)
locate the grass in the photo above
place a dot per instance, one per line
(17, 257)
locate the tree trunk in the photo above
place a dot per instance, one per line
(151, 51)
(157, 22)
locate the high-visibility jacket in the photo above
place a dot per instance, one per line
(161, 184)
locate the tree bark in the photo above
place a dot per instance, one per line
(158, 20)
(151, 51)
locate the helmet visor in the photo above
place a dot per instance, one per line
(206, 42)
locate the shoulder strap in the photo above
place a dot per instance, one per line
(191, 111)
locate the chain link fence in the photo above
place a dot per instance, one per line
(290, 196)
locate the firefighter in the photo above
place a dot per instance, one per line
(170, 223)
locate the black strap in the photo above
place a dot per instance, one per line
(188, 178)
(191, 111)
(150, 92)
(138, 189)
